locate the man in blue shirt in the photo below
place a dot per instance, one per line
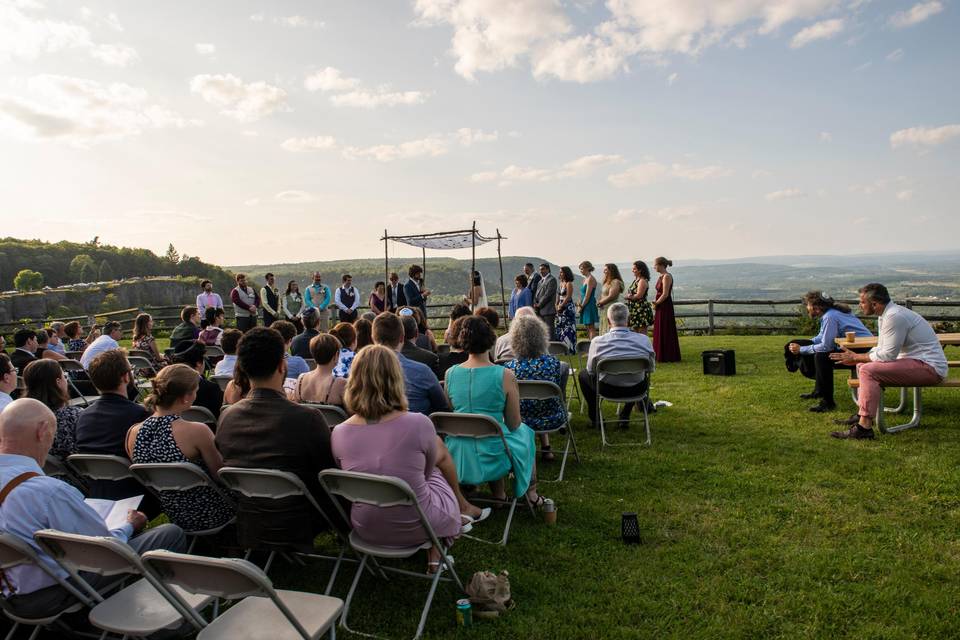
(36, 502)
(424, 394)
(317, 297)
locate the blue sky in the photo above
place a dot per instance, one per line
(255, 132)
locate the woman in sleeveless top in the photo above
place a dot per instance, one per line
(166, 437)
(588, 300)
(666, 342)
(320, 386)
(565, 326)
(611, 290)
(641, 311)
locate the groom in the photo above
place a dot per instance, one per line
(545, 299)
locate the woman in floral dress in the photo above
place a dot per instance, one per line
(566, 322)
(641, 311)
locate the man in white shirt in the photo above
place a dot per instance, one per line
(112, 333)
(347, 299)
(8, 380)
(908, 354)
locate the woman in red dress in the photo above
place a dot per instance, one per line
(665, 340)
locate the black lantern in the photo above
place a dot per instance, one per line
(630, 528)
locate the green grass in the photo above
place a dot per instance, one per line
(755, 523)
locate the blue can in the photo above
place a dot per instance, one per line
(464, 613)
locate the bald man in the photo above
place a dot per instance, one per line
(33, 501)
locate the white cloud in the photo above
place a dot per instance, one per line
(205, 48)
(895, 56)
(672, 78)
(82, 112)
(822, 30)
(785, 194)
(863, 67)
(580, 167)
(115, 55)
(916, 14)
(379, 98)
(430, 146)
(904, 195)
(699, 173)
(329, 79)
(313, 143)
(110, 20)
(668, 214)
(826, 136)
(515, 173)
(585, 165)
(294, 21)
(484, 176)
(295, 197)
(467, 136)
(923, 136)
(652, 172)
(243, 102)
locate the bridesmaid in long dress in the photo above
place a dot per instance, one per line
(666, 342)
(566, 322)
(588, 300)
(611, 290)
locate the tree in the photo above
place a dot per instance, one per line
(88, 273)
(106, 271)
(171, 255)
(77, 265)
(110, 303)
(28, 280)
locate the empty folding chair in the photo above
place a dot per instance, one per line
(97, 466)
(222, 381)
(69, 366)
(15, 552)
(386, 491)
(624, 366)
(543, 390)
(261, 610)
(180, 476)
(55, 467)
(200, 414)
(333, 414)
(140, 609)
(557, 348)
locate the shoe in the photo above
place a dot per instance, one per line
(546, 454)
(856, 432)
(468, 519)
(813, 395)
(852, 420)
(824, 408)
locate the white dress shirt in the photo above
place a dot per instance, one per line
(902, 333)
(620, 342)
(98, 346)
(5, 399)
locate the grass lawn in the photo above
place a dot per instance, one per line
(755, 523)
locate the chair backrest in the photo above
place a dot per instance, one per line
(557, 348)
(102, 555)
(623, 366)
(222, 381)
(15, 552)
(368, 488)
(583, 347)
(139, 362)
(263, 483)
(213, 351)
(55, 467)
(333, 414)
(140, 353)
(70, 365)
(171, 476)
(74, 355)
(311, 363)
(468, 425)
(539, 390)
(199, 414)
(98, 466)
(443, 349)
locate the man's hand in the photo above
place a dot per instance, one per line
(846, 357)
(137, 519)
(794, 348)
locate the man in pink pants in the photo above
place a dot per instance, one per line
(908, 353)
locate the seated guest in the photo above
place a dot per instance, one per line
(27, 429)
(301, 344)
(43, 346)
(25, 348)
(368, 315)
(529, 338)
(229, 345)
(207, 299)
(479, 386)
(166, 437)
(144, 341)
(320, 386)
(74, 341)
(189, 328)
(457, 311)
(456, 355)
(347, 335)
(47, 382)
(422, 388)
(812, 357)
(238, 388)
(521, 297)
(410, 349)
(211, 330)
(502, 351)
(908, 353)
(425, 337)
(109, 341)
(265, 430)
(61, 335)
(383, 438)
(618, 342)
(53, 348)
(364, 330)
(296, 366)
(209, 395)
(8, 380)
(3, 344)
(490, 315)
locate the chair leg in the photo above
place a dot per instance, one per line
(13, 631)
(426, 606)
(349, 599)
(603, 432)
(333, 574)
(266, 567)
(193, 543)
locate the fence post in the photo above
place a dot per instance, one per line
(908, 304)
(710, 317)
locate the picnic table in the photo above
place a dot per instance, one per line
(946, 339)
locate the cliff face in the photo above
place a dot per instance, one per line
(88, 300)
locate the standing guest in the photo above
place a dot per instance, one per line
(533, 280)
(8, 380)
(588, 300)
(189, 328)
(212, 327)
(58, 331)
(301, 344)
(666, 342)
(521, 296)
(295, 364)
(812, 357)
(378, 297)
(245, 303)
(291, 305)
(25, 348)
(270, 300)
(209, 394)
(347, 299)
(566, 326)
(165, 437)
(364, 330)
(43, 346)
(908, 354)
(641, 311)
(422, 389)
(502, 350)
(208, 299)
(47, 382)
(457, 311)
(395, 295)
(228, 342)
(320, 385)
(545, 300)
(144, 341)
(410, 349)
(610, 292)
(109, 341)
(347, 335)
(74, 341)
(317, 297)
(267, 431)
(413, 289)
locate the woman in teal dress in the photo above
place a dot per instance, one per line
(588, 300)
(478, 386)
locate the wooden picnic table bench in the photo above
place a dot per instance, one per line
(948, 383)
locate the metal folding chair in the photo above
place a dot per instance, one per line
(139, 365)
(383, 492)
(74, 355)
(97, 466)
(222, 381)
(80, 399)
(260, 611)
(140, 353)
(621, 366)
(333, 414)
(56, 467)
(582, 349)
(200, 414)
(543, 390)
(213, 351)
(557, 348)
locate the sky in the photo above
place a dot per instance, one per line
(263, 132)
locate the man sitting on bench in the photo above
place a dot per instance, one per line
(908, 354)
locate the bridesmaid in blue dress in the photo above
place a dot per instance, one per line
(565, 326)
(588, 300)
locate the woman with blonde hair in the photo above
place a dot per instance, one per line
(384, 438)
(610, 293)
(588, 300)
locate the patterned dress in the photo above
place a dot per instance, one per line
(195, 509)
(65, 441)
(565, 326)
(540, 415)
(342, 370)
(641, 311)
(76, 344)
(148, 343)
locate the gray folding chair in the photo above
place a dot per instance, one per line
(542, 390)
(140, 609)
(55, 467)
(222, 381)
(475, 425)
(333, 414)
(80, 399)
(621, 366)
(144, 381)
(140, 353)
(261, 610)
(271, 484)
(383, 492)
(213, 351)
(74, 355)
(15, 552)
(180, 476)
(200, 414)
(557, 348)
(98, 466)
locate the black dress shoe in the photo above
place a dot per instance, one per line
(824, 408)
(852, 420)
(813, 395)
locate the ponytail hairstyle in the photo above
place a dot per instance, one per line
(663, 261)
(824, 302)
(172, 383)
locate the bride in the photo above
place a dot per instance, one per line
(477, 296)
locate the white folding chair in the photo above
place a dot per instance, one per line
(624, 366)
(200, 414)
(261, 610)
(140, 609)
(476, 425)
(541, 391)
(383, 492)
(222, 381)
(333, 414)
(15, 552)
(139, 365)
(178, 477)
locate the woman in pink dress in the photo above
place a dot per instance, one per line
(383, 438)
(666, 342)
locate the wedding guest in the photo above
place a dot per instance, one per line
(347, 335)
(347, 299)
(3, 345)
(317, 297)
(364, 330)
(666, 341)
(291, 305)
(425, 339)
(421, 386)
(228, 342)
(378, 298)
(25, 348)
(109, 341)
(296, 365)
(212, 327)
(74, 342)
(490, 315)
(47, 382)
(208, 299)
(301, 344)
(641, 311)
(458, 310)
(545, 300)
(412, 351)
(521, 296)
(238, 388)
(413, 289)
(502, 349)
(565, 329)
(61, 336)
(143, 339)
(245, 303)
(588, 300)
(533, 279)
(609, 293)
(456, 355)
(270, 300)
(320, 386)
(43, 346)
(368, 315)
(208, 394)
(8, 381)
(395, 295)
(189, 328)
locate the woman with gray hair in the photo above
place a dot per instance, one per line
(529, 338)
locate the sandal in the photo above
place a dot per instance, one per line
(468, 519)
(435, 565)
(538, 503)
(546, 454)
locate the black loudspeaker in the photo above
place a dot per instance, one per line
(719, 362)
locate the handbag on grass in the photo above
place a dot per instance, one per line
(490, 592)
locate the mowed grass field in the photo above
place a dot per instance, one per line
(754, 523)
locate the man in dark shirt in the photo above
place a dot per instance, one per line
(301, 344)
(412, 351)
(188, 329)
(265, 430)
(25, 341)
(209, 395)
(413, 289)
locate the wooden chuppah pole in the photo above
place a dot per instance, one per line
(473, 256)
(503, 297)
(386, 260)
(424, 265)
